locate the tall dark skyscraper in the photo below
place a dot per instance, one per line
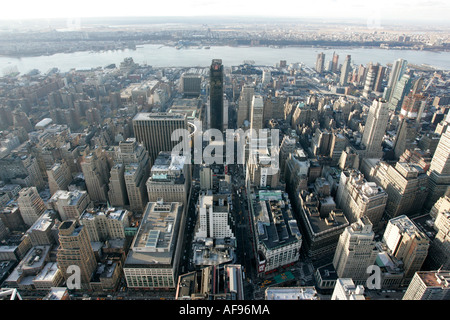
(216, 94)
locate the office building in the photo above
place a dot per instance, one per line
(41, 232)
(104, 224)
(398, 70)
(429, 285)
(399, 92)
(257, 113)
(214, 217)
(96, 176)
(170, 179)
(335, 62)
(407, 243)
(439, 252)
(75, 249)
(216, 79)
(153, 260)
(59, 177)
(31, 205)
(320, 62)
(375, 129)
(359, 198)
(117, 193)
(154, 131)
(346, 289)
(406, 185)
(69, 204)
(345, 70)
(278, 239)
(191, 84)
(320, 231)
(439, 171)
(355, 251)
(244, 105)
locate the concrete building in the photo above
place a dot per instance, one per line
(59, 177)
(439, 251)
(355, 251)
(346, 289)
(345, 70)
(96, 176)
(278, 239)
(429, 285)
(320, 62)
(69, 204)
(244, 105)
(439, 171)
(154, 131)
(375, 129)
(30, 204)
(170, 179)
(257, 113)
(405, 184)
(407, 243)
(104, 224)
(359, 198)
(191, 84)
(75, 249)
(291, 293)
(117, 193)
(153, 260)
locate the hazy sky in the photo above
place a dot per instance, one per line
(419, 10)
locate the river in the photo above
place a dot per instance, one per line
(167, 56)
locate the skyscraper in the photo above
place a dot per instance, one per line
(256, 113)
(215, 95)
(245, 102)
(320, 62)
(345, 70)
(75, 249)
(154, 131)
(335, 62)
(398, 69)
(375, 129)
(399, 92)
(30, 204)
(355, 251)
(96, 176)
(439, 171)
(429, 285)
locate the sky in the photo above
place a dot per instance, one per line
(416, 10)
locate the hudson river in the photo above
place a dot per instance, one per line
(165, 56)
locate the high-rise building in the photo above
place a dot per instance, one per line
(105, 224)
(75, 250)
(429, 285)
(375, 129)
(397, 71)
(406, 242)
(96, 176)
(154, 258)
(406, 137)
(335, 62)
(355, 251)
(439, 253)
(399, 92)
(69, 204)
(170, 179)
(345, 70)
(277, 246)
(359, 198)
(154, 131)
(256, 113)
(191, 84)
(59, 177)
(439, 171)
(320, 62)
(214, 217)
(216, 94)
(31, 205)
(117, 193)
(405, 184)
(244, 104)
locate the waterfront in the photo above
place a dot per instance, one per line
(158, 55)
